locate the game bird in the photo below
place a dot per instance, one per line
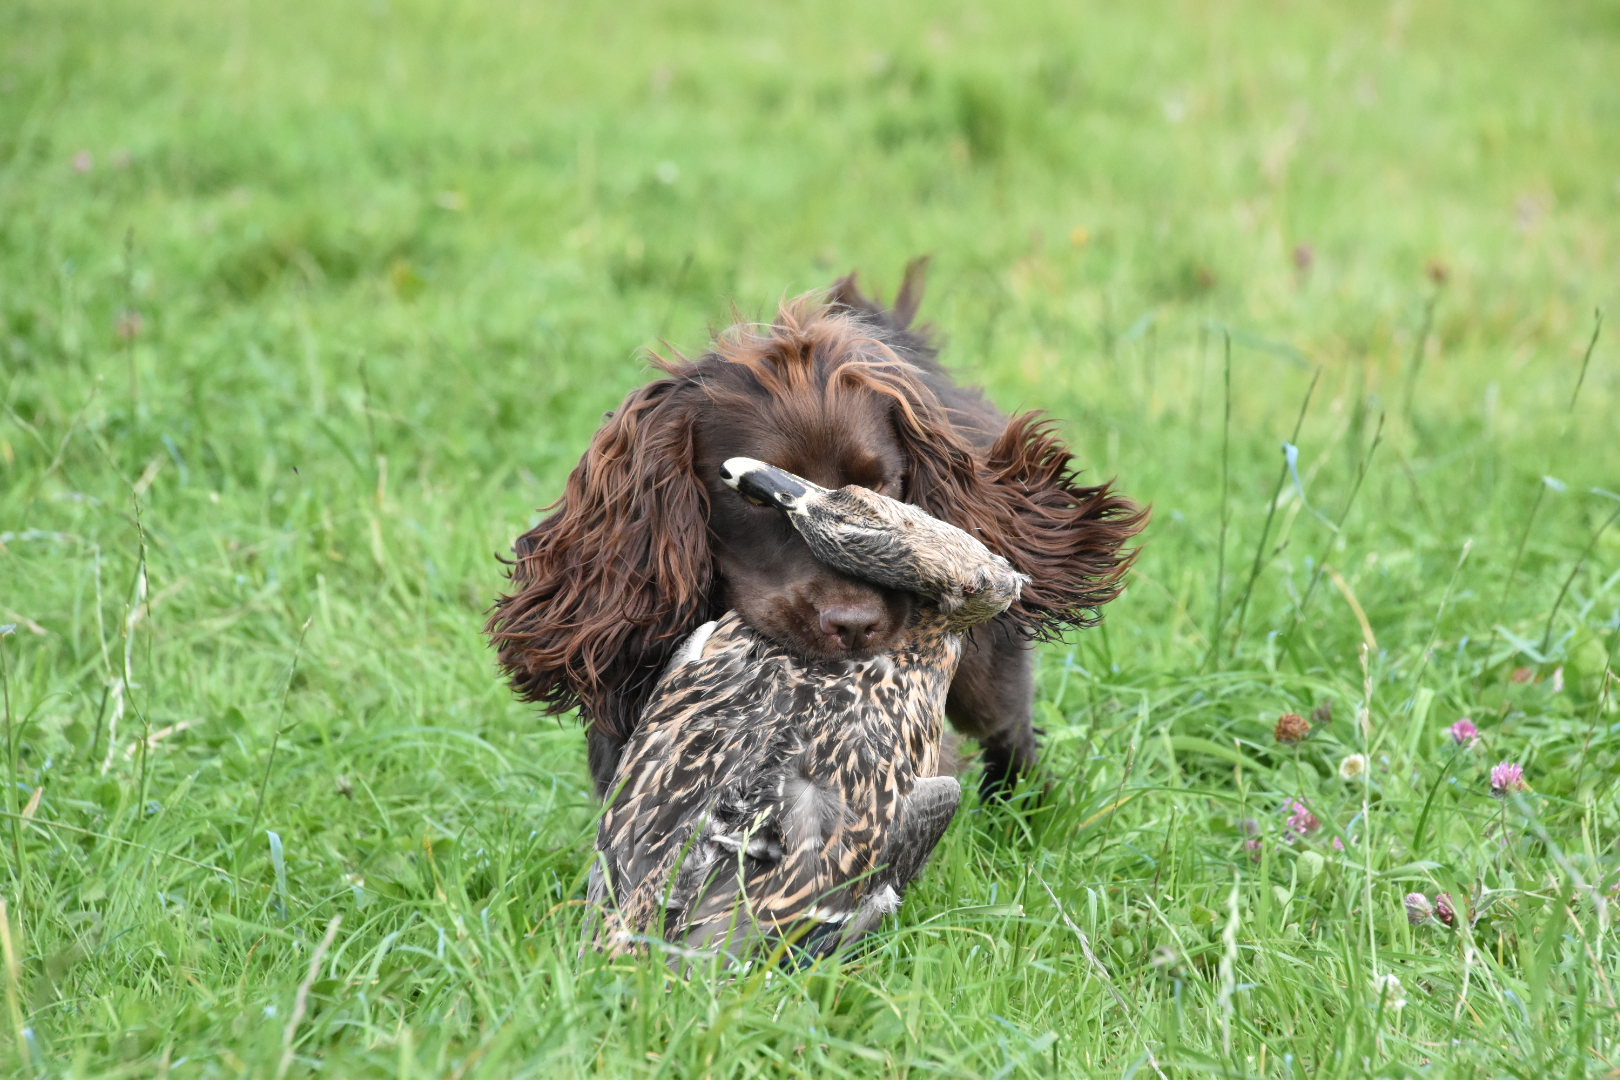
(772, 803)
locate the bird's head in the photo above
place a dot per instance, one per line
(883, 540)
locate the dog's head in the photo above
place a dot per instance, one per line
(647, 539)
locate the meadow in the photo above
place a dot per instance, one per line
(305, 309)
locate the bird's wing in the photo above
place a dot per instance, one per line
(676, 814)
(924, 816)
(919, 825)
(834, 811)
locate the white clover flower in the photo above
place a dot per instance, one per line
(1388, 990)
(1418, 909)
(1353, 766)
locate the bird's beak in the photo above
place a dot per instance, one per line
(766, 484)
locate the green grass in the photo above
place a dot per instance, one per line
(380, 269)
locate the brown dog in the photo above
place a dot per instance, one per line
(642, 546)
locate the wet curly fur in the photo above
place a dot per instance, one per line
(646, 542)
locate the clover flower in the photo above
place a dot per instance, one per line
(1291, 728)
(1300, 819)
(1390, 992)
(1443, 909)
(1418, 909)
(1353, 766)
(1508, 778)
(1463, 732)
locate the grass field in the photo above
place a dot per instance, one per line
(305, 308)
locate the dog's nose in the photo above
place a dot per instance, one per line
(851, 624)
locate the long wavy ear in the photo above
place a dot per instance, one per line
(1021, 497)
(619, 568)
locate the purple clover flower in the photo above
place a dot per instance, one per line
(1507, 778)
(1300, 818)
